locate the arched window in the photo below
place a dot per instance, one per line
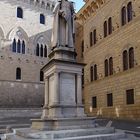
(43, 4)
(129, 11)
(14, 45)
(19, 46)
(45, 51)
(91, 73)
(125, 60)
(91, 39)
(42, 19)
(41, 50)
(37, 50)
(109, 25)
(41, 76)
(19, 12)
(23, 47)
(131, 58)
(110, 66)
(123, 14)
(18, 74)
(94, 36)
(95, 72)
(106, 67)
(105, 29)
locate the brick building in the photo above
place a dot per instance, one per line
(108, 42)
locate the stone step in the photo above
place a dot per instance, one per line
(83, 132)
(63, 133)
(115, 136)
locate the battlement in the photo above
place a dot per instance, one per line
(44, 4)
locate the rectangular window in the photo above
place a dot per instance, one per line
(110, 99)
(94, 37)
(94, 102)
(91, 39)
(130, 96)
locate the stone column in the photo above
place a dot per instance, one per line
(79, 89)
(46, 102)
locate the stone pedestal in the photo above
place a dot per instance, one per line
(63, 107)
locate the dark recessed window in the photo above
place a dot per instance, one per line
(45, 51)
(110, 26)
(109, 99)
(106, 67)
(95, 72)
(19, 12)
(125, 60)
(14, 45)
(91, 73)
(131, 58)
(130, 96)
(18, 74)
(41, 50)
(129, 11)
(19, 46)
(94, 102)
(105, 29)
(123, 14)
(23, 47)
(94, 36)
(41, 76)
(42, 19)
(37, 50)
(91, 40)
(110, 66)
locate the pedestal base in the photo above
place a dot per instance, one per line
(63, 123)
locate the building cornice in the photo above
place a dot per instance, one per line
(89, 9)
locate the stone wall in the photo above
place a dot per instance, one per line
(122, 38)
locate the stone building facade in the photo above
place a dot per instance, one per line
(108, 42)
(25, 36)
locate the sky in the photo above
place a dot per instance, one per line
(78, 4)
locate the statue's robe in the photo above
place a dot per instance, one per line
(63, 25)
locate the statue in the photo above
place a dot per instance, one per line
(63, 25)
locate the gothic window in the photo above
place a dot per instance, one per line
(42, 19)
(125, 60)
(109, 25)
(14, 45)
(41, 50)
(131, 58)
(43, 4)
(23, 47)
(110, 66)
(91, 39)
(94, 36)
(18, 46)
(123, 15)
(37, 50)
(105, 29)
(91, 73)
(19, 12)
(106, 67)
(45, 51)
(41, 76)
(95, 72)
(129, 11)
(18, 74)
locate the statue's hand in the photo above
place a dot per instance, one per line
(61, 12)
